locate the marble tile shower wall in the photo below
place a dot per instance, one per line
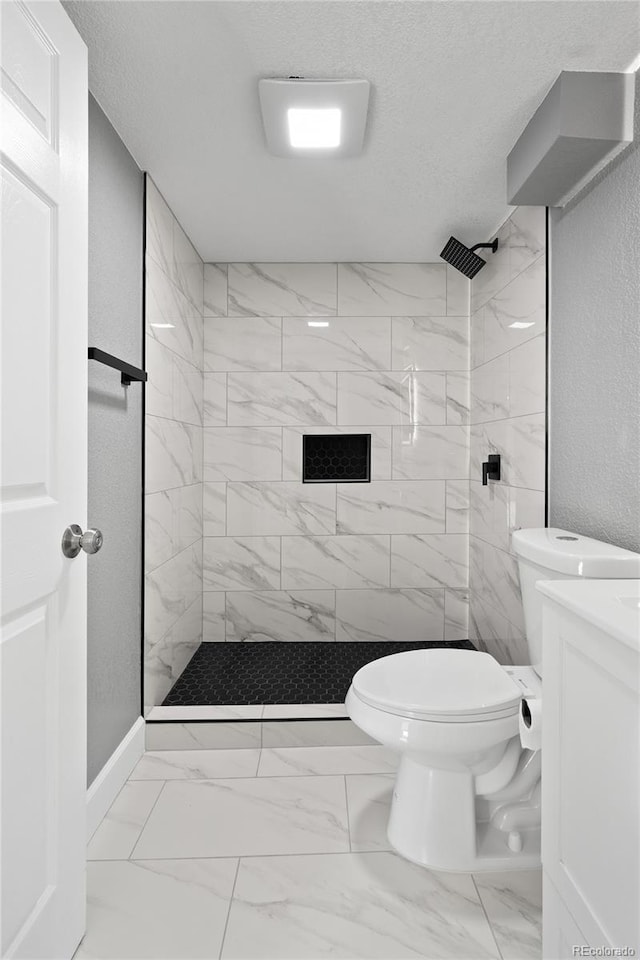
(173, 433)
(508, 330)
(331, 348)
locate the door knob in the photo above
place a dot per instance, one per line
(74, 540)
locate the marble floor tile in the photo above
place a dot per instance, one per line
(369, 805)
(196, 764)
(228, 712)
(157, 909)
(203, 736)
(313, 711)
(368, 905)
(313, 733)
(116, 836)
(323, 761)
(513, 903)
(250, 817)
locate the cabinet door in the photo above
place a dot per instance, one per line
(560, 934)
(590, 790)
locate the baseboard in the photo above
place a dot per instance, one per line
(113, 776)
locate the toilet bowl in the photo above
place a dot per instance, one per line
(467, 794)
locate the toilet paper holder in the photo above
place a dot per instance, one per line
(530, 723)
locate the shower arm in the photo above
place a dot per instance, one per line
(485, 246)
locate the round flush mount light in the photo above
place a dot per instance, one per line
(314, 118)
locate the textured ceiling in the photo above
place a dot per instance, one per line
(453, 84)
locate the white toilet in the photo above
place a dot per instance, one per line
(467, 795)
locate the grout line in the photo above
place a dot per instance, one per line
(281, 344)
(346, 803)
(137, 840)
(490, 925)
(275, 856)
(226, 922)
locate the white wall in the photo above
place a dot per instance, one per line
(508, 325)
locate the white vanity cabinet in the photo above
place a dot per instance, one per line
(590, 766)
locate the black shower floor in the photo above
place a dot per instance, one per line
(278, 672)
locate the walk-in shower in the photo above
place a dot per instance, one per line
(312, 461)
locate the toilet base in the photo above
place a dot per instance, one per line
(433, 823)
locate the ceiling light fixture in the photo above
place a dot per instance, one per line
(314, 118)
(314, 129)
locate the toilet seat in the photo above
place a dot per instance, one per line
(439, 685)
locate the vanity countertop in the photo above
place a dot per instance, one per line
(611, 605)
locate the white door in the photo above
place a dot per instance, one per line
(43, 479)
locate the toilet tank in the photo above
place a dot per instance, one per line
(552, 554)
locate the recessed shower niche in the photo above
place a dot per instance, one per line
(308, 445)
(337, 458)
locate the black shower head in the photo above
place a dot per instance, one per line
(463, 258)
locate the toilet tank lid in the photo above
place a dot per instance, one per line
(576, 556)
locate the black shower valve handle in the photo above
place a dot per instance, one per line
(491, 468)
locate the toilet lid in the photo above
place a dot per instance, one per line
(438, 684)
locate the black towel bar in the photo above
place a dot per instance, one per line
(128, 371)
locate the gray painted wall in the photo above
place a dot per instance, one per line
(594, 480)
(116, 216)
